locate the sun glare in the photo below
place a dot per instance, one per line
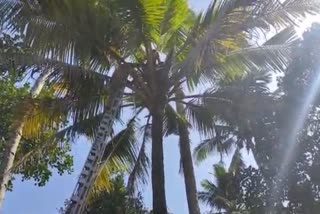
(307, 23)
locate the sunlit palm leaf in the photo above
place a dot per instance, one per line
(228, 29)
(120, 155)
(143, 18)
(175, 25)
(44, 112)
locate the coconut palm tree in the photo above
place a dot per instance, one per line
(217, 42)
(178, 73)
(234, 120)
(248, 96)
(49, 19)
(174, 119)
(37, 17)
(223, 194)
(29, 113)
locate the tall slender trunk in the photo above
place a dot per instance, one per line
(157, 172)
(187, 165)
(15, 137)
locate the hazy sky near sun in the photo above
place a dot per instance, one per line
(29, 199)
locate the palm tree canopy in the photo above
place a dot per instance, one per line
(88, 39)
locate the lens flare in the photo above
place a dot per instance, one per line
(291, 138)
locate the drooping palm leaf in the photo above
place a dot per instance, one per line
(208, 195)
(65, 77)
(43, 112)
(200, 117)
(70, 30)
(85, 128)
(120, 155)
(222, 145)
(226, 30)
(139, 173)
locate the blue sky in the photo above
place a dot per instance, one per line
(29, 199)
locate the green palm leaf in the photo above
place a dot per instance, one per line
(140, 171)
(54, 28)
(222, 145)
(226, 27)
(120, 155)
(200, 117)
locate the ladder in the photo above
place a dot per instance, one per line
(91, 167)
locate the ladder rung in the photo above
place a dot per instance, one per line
(75, 198)
(90, 167)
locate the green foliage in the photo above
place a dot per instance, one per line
(40, 166)
(117, 200)
(13, 91)
(10, 98)
(261, 190)
(87, 39)
(224, 193)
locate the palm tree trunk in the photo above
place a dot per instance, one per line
(157, 172)
(15, 137)
(187, 164)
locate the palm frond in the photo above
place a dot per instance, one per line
(175, 14)
(37, 149)
(86, 127)
(67, 79)
(272, 57)
(44, 112)
(120, 154)
(209, 146)
(122, 147)
(200, 117)
(102, 182)
(244, 94)
(139, 173)
(143, 18)
(219, 171)
(236, 163)
(176, 23)
(210, 192)
(54, 28)
(287, 35)
(84, 112)
(226, 31)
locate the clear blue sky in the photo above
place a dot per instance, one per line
(29, 199)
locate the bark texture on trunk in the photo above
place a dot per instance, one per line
(15, 137)
(187, 165)
(157, 172)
